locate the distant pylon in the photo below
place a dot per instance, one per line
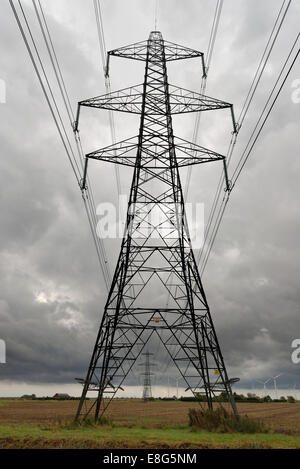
(156, 259)
(147, 391)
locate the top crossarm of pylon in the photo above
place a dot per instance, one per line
(138, 50)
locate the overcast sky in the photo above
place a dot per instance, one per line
(51, 290)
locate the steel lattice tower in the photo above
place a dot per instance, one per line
(156, 259)
(147, 391)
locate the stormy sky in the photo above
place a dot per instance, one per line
(51, 291)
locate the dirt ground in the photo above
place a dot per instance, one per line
(279, 417)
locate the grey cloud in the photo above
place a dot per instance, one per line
(252, 279)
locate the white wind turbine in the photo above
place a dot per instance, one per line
(275, 383)
(264, 383)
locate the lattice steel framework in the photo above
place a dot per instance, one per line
(147, 390)
(156, 259)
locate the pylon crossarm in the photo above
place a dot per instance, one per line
(123, 152)
(131, 100)
(135, 51)
(183, 100)
(138, 51)
(188, 153)
(155, 153)
(177, 52)
(126, 100)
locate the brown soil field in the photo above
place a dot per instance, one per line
(279, 417)
(69, 443)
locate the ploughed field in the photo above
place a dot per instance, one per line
(134, 423)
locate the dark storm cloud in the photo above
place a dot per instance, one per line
(51, 293)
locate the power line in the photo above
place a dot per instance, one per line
(246, 154)
(56, 114)
(88, 195)
(253, 87)
(211, 44)
(103, 52)
(213, 33)
(264, 60)
(63, 88)
(43, 85)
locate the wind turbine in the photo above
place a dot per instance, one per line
(275, 383)
(264, 383)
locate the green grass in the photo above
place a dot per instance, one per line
(5, 402)
(135, 435)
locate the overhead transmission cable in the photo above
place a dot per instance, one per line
(107, 82)
(254, 137)
(44, 82)
(246, 153)
(54, 109)
(253, 87)
(264, 59)
(87, 194)
(211, 44)
(248, 100)
(103, 52)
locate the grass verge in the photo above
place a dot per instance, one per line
(108, 436)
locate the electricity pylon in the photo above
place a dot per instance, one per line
(156, 259)
(147, 390)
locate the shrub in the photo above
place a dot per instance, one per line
(221, 421)
(267, 399)
(291, 399)
(104, 421)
